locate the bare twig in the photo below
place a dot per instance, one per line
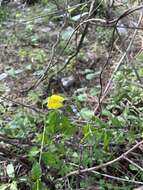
(91, 12)
(118, 178)
(15, 141)
(87, 21)
(21, 104)
(117, 67)
(133, 163)
(42, 77)
(110, 176)
(104, 164)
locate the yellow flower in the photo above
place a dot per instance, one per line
(55, 102)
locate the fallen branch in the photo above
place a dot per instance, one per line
(21, 104)
(76, 172)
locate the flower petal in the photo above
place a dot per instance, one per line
(55, 102)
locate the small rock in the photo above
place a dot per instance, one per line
(3, 76)
(122, 30)
(44, 29)
(68, 81)
(74, 109)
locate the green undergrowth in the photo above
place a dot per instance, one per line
(54, 144)
(40, 148)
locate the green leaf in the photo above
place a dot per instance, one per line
(11, 72)
(133, 168)
(49, 158)
(28, 67)
(66, 127)
(100, 123)
(53, 122)
(106, 140)
(116, 122)
(86, 113)
(87, 71)
(3, 88)
(140, 56)
(93, 91)
(10, 170)
(37, 185)
(33, 97)
(82, 97)
(33, 152)
(75, 155)
(2, 109)
(4, 186)
(13, 186)
(38, 55)
(78, 17)
(87, 131)
(91, 76)
(45, 139)
(106, 113)
(34, 39)
(36, 171)
(67, 33)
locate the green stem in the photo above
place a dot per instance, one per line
(42, 144)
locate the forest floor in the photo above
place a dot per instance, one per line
(34, 39)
